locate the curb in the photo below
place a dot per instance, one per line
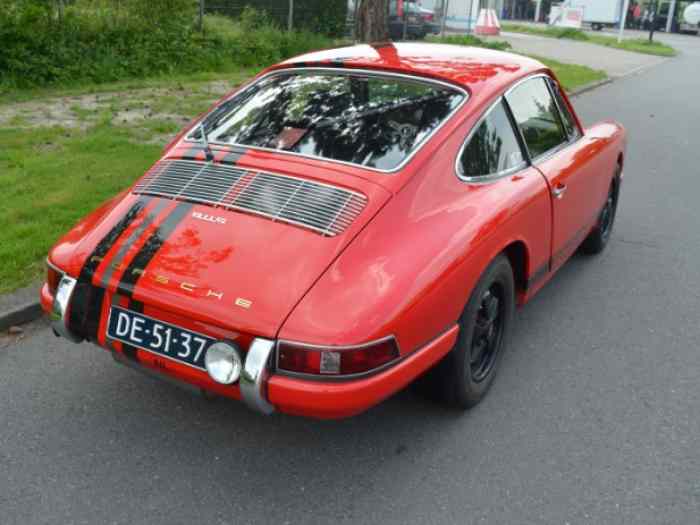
(590, 87)
(21, 314)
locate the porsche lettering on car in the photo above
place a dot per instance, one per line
(349, 222)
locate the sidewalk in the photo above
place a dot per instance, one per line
(615, 62)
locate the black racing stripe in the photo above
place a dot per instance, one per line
(129, 351)
(192, 152)
(82, 302)
(103, 247)
(79, 308)
(94, 312)
(234, 155)
(154, 243)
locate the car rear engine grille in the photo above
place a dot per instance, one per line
(326, 209)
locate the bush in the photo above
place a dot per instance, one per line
(318, 16)
(254, 40)
(100, 41)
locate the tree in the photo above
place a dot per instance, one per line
(372, 21)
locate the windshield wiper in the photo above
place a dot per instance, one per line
(205, 141)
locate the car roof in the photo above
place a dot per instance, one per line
(477, 69)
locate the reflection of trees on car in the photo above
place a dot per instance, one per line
(535, 110)
(369, 120)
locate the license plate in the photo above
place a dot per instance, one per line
(160, 338)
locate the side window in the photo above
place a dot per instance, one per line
(493, 148)
(537, 116)
(566, 116)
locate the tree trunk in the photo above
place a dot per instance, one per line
(373, 21)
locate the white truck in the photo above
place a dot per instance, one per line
(690, 23)
(598, 13)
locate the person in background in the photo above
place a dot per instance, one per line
(628, 18)
(636, 16)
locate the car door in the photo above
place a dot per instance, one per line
(493, 154)
(550, 138)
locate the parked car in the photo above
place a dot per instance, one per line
(408, 16)
(347, 223)
(428, 16)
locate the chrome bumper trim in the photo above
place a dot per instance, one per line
(59, 311)
(253, 382)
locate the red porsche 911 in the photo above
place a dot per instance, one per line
(344, 224)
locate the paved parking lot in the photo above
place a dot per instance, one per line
(594, 419)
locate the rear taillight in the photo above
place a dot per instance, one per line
(53, 277)
(337, 361)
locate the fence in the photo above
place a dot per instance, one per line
(320, 16)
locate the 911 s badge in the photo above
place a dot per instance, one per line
(209, 218)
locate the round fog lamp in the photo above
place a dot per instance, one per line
(223, 363)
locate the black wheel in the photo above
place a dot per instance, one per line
(600, 235)
(464, 376)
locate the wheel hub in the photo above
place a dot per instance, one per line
(487, 334)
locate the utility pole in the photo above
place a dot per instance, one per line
(445, 7)
(201, 16)
(405, 19)
(469, 17)
(290, 18)
(623, 21)
(671, 16)
(354, 21)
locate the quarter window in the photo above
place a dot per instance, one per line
(493, 148)
(537, 116)
(567, 118)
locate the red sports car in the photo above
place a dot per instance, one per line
(348, 222)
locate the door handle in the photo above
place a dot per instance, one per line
(559, 190)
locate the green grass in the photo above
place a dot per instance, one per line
(572, 76)
(53, 177)
(234, 76)
(636, 45)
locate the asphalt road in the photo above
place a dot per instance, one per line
(595, 417)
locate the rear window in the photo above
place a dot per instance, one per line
(373, 121)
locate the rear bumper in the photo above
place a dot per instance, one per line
(334, 400)
(265, 391)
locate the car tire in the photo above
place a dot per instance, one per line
(599, 237)
(464, 375)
